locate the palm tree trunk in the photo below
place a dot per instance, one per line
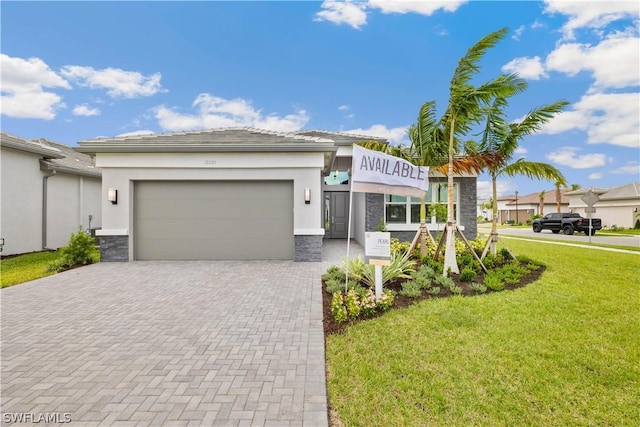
(450, 262)
(494, 223)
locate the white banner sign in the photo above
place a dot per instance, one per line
(376, 172)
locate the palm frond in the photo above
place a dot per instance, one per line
(533, 170)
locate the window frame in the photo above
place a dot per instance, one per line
(434, 194)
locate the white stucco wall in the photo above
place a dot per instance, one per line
(120, 171)
(21, 202)
(358, 217)
(612, 212)
(70, 200)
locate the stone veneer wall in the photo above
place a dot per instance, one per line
(114, 248)
(467, 187)
(308, 248)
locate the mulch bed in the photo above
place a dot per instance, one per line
(400, 302)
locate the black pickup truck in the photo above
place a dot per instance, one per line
(568, 223)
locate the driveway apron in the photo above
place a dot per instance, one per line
(168, 343)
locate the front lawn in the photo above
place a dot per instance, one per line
(24, 268)
(561, 351)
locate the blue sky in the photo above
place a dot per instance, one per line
(78, 70)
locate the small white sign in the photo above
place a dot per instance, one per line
(377, 246)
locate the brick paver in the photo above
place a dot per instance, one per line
(224, 343)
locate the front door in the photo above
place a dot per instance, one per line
(336, 214)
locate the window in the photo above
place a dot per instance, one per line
(406, 210)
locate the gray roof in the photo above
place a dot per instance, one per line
(34, 147)
(211, 140)
(626, 191)
(341, 138)
(72, 162)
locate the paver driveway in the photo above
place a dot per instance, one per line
(168, 343)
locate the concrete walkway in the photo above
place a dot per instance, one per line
(168, 343)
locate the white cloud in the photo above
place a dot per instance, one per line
(355, 13)
(567, 156)
(216, 112)
(137, 133)
(527, 68)
(537, 24)
(396, 135)
(119, 83)
(520, 150)
(484, 189)
(23, 82)
(412, 6)
(595, 176)
(518, 32)
(85, 110)
(632, 168)
(348, 13)
(591, 14)
(608, 118)
(603, 61)
(344, 108)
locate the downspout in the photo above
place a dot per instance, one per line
(44, 210)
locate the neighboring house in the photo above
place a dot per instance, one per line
(520, 209)
(239, 193)
(48, 192)
(618, 206)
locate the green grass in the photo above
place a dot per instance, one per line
(24, 268)
(626, 231)
(562, 351)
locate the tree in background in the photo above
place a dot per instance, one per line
(541, 205)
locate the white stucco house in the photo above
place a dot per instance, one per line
(618, 206)
(48, 191)
(239, 193)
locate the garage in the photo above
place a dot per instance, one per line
(213, 220)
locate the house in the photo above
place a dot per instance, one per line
(521, 209)
(48, 191)
(239, 193)
(617, 206)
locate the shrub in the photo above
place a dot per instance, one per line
(434, 291)
(352, 301)
(368, 303)
(505, 254)
(57, 265)
(436, 266)
(81, 250)
(334, 273)
(467, 275)
(445, 282)
(401, 267)
(493, 281)
(398, 247)
(489, 261)
(456, 290)
(411, 289)
(478, 288)
(333, 286)
(338, 310)
(386, 300)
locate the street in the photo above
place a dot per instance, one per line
(580, 238)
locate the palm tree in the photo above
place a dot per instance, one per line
(465, 109)
(541, 205)
(502, 138)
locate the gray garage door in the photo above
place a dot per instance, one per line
(181, 220)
